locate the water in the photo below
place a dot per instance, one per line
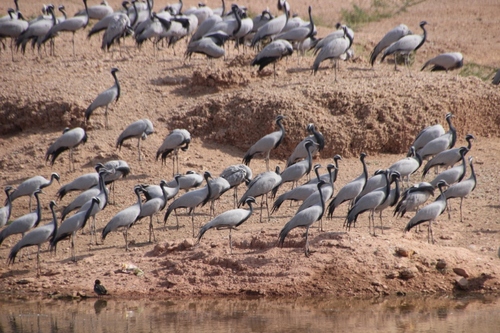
(403, 314)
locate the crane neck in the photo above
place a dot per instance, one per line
(88, 213)
(464, 167)
(473, 175)
(424, 37)
(365, 171)
(87, 13)
(117, 84)
(321, 199)
(54, 220)
(38, 210)
(309, 159)
(397, 192)
(311, 25)
(102, 187)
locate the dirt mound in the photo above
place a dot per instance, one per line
(219, 78)
(21, 115)
(381, 117)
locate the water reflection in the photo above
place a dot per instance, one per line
(405, 314)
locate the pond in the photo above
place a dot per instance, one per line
(392, 314)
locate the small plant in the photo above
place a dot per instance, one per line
(479, 71)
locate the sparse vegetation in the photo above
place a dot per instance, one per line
(479, 71)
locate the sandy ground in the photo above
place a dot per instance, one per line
(227, 106)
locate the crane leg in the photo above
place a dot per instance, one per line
(230, 242)
(306, 249)
(461, 217)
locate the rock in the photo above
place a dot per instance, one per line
(462, 283)
(441, 264)
(407, 273)
(392, 275)
(187, 243)
(460, 271)
(25, 281)
(402, 252)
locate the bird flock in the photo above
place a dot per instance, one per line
(390, 188)
(206, 32)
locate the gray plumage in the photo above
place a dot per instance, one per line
(79, 201)
(272, 53)
(140, 130)
(230, 219)
(407, 166)
(377, 180)
(304, 219)
(156, 191)
(299, 193)
(265, 144)
(370, 202)
(351, 190)
(13, 28)
(445, 62)
(300, 151)
(72, 24)
(210, 45)
(175, 140)
(105, 98)
(455, 174)
(236, 175)
(413, 198)
(69, 140)
(341, 31)
(155, 205)
(24, 223)
(6, 210)
(429, 213)
(29, 186)
(326, 176)
(406, 45)
(187, 181)
(273, 26)
(105, 22)
(96, 12)
(428, 134)
(296, 171)
(218, 186)
(189, 200)
(37, 236)
(70, 226)
(124, 219)
(119, 27)
(36, 30)
(81, 183)
(335, 49)
(116, 169)
(462, 190)
(301, 32)
(441, 143)
(448, 157)
(390, 37)
(261, 185)
(496, 78)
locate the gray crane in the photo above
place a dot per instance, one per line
(37, 236)
(296, 171)
(300, 151)
(103, 201)
(390, 37)
(105, 98)
(104, 23)
(448, 157)
(125, 218)
(261, 185)
(445, 62)
(96, 12)
(455, 174)
(175, 140)
(329, 168)
(335, 50)
(496, 78)
(391, 200)
(407, 45)
(407, 166)
(462, 189)
(140, 130)
(236, 175)
(13, 28)
(428, 134)
(429, 213)
(413, 197)
(29, 186)
(299, 193)
(154, 206)
(156, 191)
(265, 144)
(341, 31)
(300, 33)
(80, 200)
(271, 53)
(273, 26)
(189, 200)
(351, 190)
(70, 226)
(370, 202)
(24, 223)
(81, 183)
(211, 45)
(218, 186)
(69, 140)
(305, 219)
(36, 30)
(6, 210)
(377, 180)
(441, 143)
(187, 181)
(120, 26)
(230, 219)
(72, 24)
(116, 169)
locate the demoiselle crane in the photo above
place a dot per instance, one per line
(105, 98)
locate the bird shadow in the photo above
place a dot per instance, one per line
(171, 80)
(299, 70)
(493, 206)
(14, 272)
(487, 231)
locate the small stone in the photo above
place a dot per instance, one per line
(188, 243)
(407, 273)
(25, 281)
(441, 264)
(462, 283)
(460, 271)
(392, 275)
(402, 252)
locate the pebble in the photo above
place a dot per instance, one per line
(461, 272)
(462, 283)
(441, 264)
